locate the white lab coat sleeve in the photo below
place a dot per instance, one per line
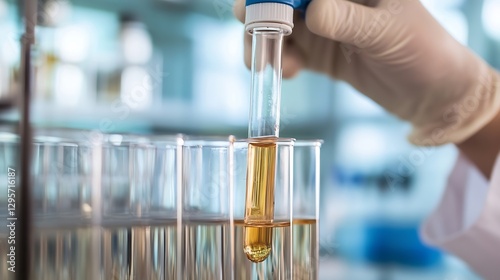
(466, 223)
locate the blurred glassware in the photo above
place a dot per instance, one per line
(65, 175)
(136, 43)
(9, 57)
(140, 182)
(127, 175)
(46, 63)
(137, 87)
(135, 80)
(206, 209)
(306, 189)
(53, 12)
(64, 170)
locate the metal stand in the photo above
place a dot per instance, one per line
(24, 230)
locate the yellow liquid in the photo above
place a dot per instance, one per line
(305, 249)
(259, 204)
(277, 265)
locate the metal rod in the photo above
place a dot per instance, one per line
(25, 210)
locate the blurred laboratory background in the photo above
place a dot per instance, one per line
(176, 66)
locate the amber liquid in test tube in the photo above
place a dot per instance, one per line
(259, 203)
(263, 133)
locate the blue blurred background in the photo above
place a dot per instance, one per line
(169, 66)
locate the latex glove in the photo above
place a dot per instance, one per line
(396, 53)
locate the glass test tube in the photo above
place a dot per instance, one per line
(274, 234)
(306, 186)
(165, 213)
(140, 183)
(206, 209)
(127, 166)
(119, 222)
(65, 180)
(265, 98)
(264, 127)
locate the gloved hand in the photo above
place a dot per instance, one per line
(396, 53)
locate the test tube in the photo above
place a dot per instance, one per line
(65, 180)
(265, 96)
(119, 220)
(273, 235)
(260, 196)
(306, 187)
(165, 213)
(128, 162)
(263, 127)
(140, 183)
(206, 193)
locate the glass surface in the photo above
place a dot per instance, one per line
(305, 224)
(140, 182)
(273, 260)
(64, 207)
(66, 204)
(266, 83)
(105, 206)
(206, 197)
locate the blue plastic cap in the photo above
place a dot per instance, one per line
(296, 4)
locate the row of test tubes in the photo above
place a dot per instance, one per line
(109, 206)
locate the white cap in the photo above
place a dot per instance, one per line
(269, 15)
